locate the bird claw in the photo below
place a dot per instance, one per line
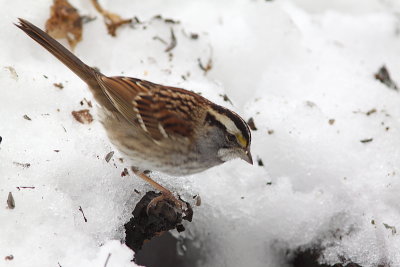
(167, 196)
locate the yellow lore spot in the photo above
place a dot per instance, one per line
(242, 140)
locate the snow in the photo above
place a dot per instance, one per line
(291, 65)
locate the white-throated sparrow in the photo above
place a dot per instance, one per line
(160, 128)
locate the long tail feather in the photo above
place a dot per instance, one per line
(85, 72)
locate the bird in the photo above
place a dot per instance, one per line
(159, 128)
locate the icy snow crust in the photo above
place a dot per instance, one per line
(292, 66)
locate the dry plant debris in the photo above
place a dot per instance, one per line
(162, 217)
(109, 156)
(64, 22)
(88, 102)
(173, 42)
(125, 172)
(206, 68)
(83, 116)
(366, 140)
(9, 258)
(86, 19)
(58, 85)
(251, 124)
(112, 20)
(226, 98)
(171, 45)
(26, 117)
(108, 258)
(197, 200)
(369, 112)
(194, 36)
(83, 214)
(392, 228)
(13, 72)
(10, 201)
(166, 20)
(23, 165)
(25, 187)
(384, 77)
(159, 39)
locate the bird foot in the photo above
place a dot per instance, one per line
(169, 197)
(166, 195)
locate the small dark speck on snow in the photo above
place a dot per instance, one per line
(26, 117)
(109, 156)
(392, 228)
(366, 140)
(384, 77)
(369, 112)
(251, 124)
(10, 201)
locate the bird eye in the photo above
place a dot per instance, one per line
(230, 137)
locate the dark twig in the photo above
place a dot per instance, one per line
(209, 64)
(108, 258)
(159, 39)
(366, 140)
(173, 43)
(25, 187)
(84, 217)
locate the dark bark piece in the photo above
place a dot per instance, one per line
(164, 216)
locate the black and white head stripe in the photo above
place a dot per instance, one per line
(230, 121)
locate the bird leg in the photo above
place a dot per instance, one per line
(165, 193)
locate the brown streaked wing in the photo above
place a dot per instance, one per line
(121, 92)
(165, 112)
(160, 111)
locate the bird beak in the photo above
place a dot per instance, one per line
(246, 156)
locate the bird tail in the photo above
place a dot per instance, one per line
(85, 72)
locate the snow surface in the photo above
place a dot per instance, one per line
(291, 65)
